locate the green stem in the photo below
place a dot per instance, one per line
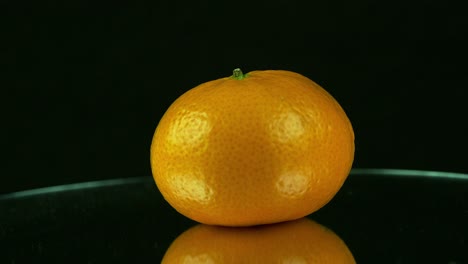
(237, 74)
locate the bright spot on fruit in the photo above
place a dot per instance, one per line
(292, 185)
(189, 130)
(202, 258)
(288, 127)
(191, 188)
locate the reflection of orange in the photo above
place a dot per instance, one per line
(264, 147)
(300, 241)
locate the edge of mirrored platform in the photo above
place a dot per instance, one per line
(134, 180)
(411, 173)
(74, 186)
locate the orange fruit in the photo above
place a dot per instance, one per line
(263, 147)
(299, 241)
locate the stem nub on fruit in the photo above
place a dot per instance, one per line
(237, 74)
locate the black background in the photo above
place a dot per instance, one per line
(85, 85)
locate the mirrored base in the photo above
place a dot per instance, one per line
(382, 215)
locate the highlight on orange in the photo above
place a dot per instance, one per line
(298, 241)
(250, 149)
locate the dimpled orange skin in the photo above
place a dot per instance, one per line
(299, 241)
(260, 148)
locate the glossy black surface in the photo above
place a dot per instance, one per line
(384, 216)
